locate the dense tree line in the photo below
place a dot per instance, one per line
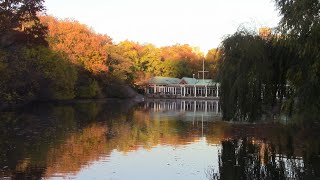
(45, 58)
(255, 70)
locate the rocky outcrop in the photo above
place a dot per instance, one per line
(122, 91)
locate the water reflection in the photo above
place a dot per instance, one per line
(186, 110)
(183, 105)
(152, 140)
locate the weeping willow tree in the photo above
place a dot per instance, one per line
(300, 25)
(255, 71)
(252, 75)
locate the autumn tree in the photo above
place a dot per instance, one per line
(19, 22)
(189, 62)
(120, 67)
(85, 49)
(82, 46)
(143, 61)
(211, 62)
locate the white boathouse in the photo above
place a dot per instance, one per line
(168, 87)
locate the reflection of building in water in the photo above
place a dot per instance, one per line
(185, 108)
(184, 105)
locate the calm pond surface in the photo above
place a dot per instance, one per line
(119, 139)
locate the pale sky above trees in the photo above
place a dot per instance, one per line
(201, 23)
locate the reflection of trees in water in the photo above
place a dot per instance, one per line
(242, 159)
(29, 136)
(25, 137)
(78, 150)
(63, 139)
(127, 134)
(247, 158)
(60, 140)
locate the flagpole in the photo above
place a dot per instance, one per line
(203, 69)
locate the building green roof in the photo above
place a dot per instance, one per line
(205, 82)
(164, 80)
(159, 80)
(189, 80)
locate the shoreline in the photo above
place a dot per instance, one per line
(11, 106)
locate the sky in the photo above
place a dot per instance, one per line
(199, 23)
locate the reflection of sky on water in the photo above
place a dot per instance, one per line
(160, 162)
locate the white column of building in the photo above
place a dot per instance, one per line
(184, 105)
(184, 91)
(206, 91)
(205, 107)
(195, 91)
(217, 89)
(217, 107)
(155, 88)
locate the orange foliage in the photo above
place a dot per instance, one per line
(79, 149)
(180, 52)
(83, 46)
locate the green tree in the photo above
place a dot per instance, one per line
(252, 72)
(57, 77)
(36, 73)
(300, 26)
(211, 60)
(176, 68)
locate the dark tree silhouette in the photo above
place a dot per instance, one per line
(19, 22)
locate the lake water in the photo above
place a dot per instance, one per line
(119, 139)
